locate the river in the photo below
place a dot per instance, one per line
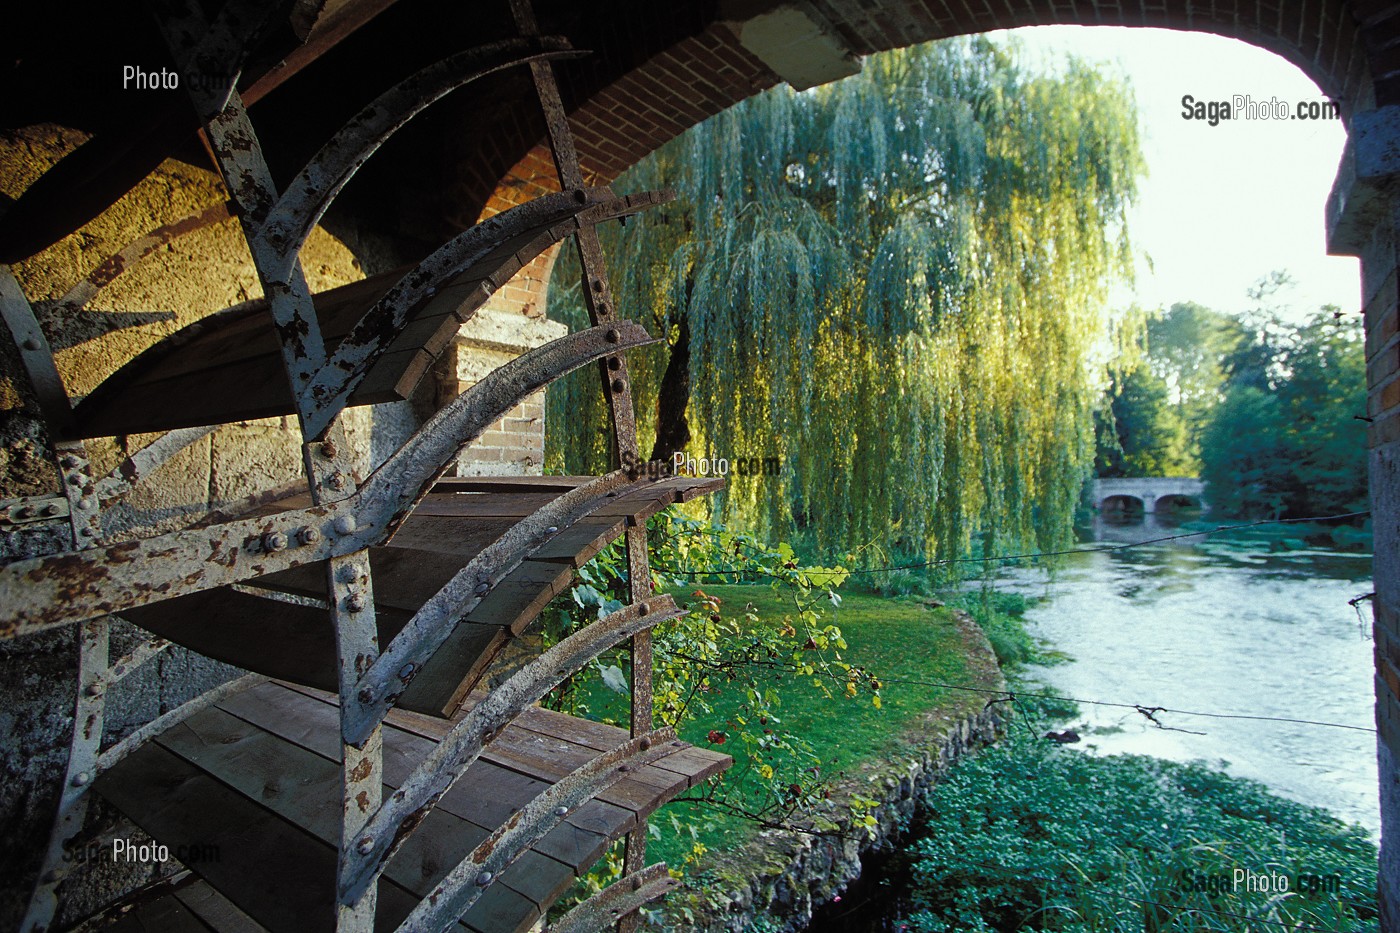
(1214, 626)
(1205, 624)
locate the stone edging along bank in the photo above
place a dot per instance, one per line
(773, 883)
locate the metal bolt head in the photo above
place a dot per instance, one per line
(33, 344)
(580, 195)
(485, 878)
(552, 529)
(81, 779)
(336, 481)
(406, 671)
(482, 589)
(87, 503)
(94, 689)
(70, 462)
(50, 509)
(597, 285)
(643, 609)
(75, 480)
(365, 846)
(309, 535)
(345, 524)
(614, 363)
(613, 335)
(430, 291)
(355, 602)
(644, 744)
(328, 450)
(561, 811)
(25, 511)
(618, 385)
(274, 541)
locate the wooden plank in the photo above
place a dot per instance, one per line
(517, 600)
(690, 763)
(282, 877)
(385, 380)
(465, 537)
(454, 668)
(313, 725)
(217, 911)
(581, 541)
(580, 841)
(166, 914)
(560, 484)
(304, 788)
(483, 504)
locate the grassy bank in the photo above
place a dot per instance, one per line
(898, 640)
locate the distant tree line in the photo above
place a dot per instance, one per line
(1264, 411)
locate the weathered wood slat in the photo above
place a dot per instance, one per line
(310, 720)
(303, 787)
(217, 911)
(579, 543)
(275, 872)
(258, 777)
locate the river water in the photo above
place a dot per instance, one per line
(1205, 624)
(1209, 625)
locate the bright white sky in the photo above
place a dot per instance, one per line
(1222, 206)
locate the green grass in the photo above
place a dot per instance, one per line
(896, 639)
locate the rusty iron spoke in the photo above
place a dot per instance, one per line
(616, 901)
(349, 584)
(470, 878)
(330, 389)
(408, 475)
(174, 717)
(90, 706)
(59, 589)
(310, 193)
(406, 808)
(423, 635)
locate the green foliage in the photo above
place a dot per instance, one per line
(1144, 434)
(1285, 442)
(1167, 378)
(893, 284)
(1001, 617)
(1031, 836)
(736, 650)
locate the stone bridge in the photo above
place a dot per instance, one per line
(1148, 490)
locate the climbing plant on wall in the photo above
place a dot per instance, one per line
(893, 285)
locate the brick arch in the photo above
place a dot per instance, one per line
(1352, 51)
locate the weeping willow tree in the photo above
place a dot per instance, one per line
(893, 284)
